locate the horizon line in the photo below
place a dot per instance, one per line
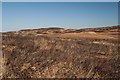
(56, 27)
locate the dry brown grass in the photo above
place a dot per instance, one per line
(91, 53)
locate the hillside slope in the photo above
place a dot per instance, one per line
(62, 53)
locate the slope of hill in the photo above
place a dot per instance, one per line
(62, 53)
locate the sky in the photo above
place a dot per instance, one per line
(60, 0)
(0, 16)
(27, 15)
